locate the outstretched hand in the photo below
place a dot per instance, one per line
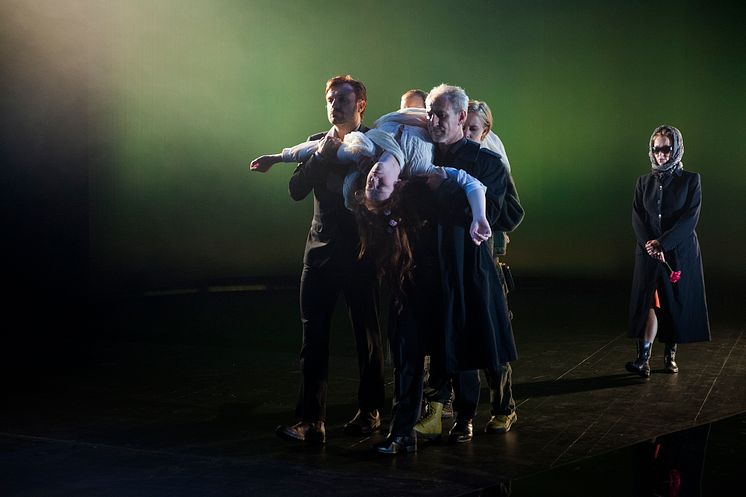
(263, 163)
(480, 230)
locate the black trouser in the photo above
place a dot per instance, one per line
(415, 331)
(319, 291)
(500, 382)
(466, 390)
(466, 385)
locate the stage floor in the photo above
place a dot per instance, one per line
(180, 394)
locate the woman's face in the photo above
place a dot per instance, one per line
(661, 149)
(474, 128)
(382, 178)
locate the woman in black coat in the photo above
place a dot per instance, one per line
(668, 289)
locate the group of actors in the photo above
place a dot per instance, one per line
(417, 208)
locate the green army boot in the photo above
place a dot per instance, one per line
(430, 425)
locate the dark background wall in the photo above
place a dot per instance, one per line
(128, 126)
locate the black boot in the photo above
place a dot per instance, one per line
(669, 359)
(641, 365)
(397, 444)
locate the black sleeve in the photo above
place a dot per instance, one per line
(451, 199)
(493, 174)
(306, 176)
(452, 205)
(639, 215)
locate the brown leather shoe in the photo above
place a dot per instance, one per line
(312, 433)
(462, 431)
(364, 423)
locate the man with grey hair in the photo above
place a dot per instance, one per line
(478, 329)
(455, 95)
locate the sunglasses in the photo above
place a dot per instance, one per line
(477, 107)
(665, 149)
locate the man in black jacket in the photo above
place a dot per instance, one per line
(478, 329)
(331, 267)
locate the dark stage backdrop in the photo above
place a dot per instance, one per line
(129, 125)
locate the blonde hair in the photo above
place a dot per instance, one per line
(483, 111)
(414, 92)
(663, 132)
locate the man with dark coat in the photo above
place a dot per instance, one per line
(331, 267)
(478, 330)
(463, 321)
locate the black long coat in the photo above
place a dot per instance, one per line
(668, 210)
(477, 325)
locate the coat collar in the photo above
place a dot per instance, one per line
(666, 178)
(455, 150)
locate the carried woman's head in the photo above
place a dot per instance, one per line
(381, 179)
(404, 149)
(389, 228)
(478, 121)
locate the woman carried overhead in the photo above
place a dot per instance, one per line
(668, 289)
(447, 301)
(398, 147)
